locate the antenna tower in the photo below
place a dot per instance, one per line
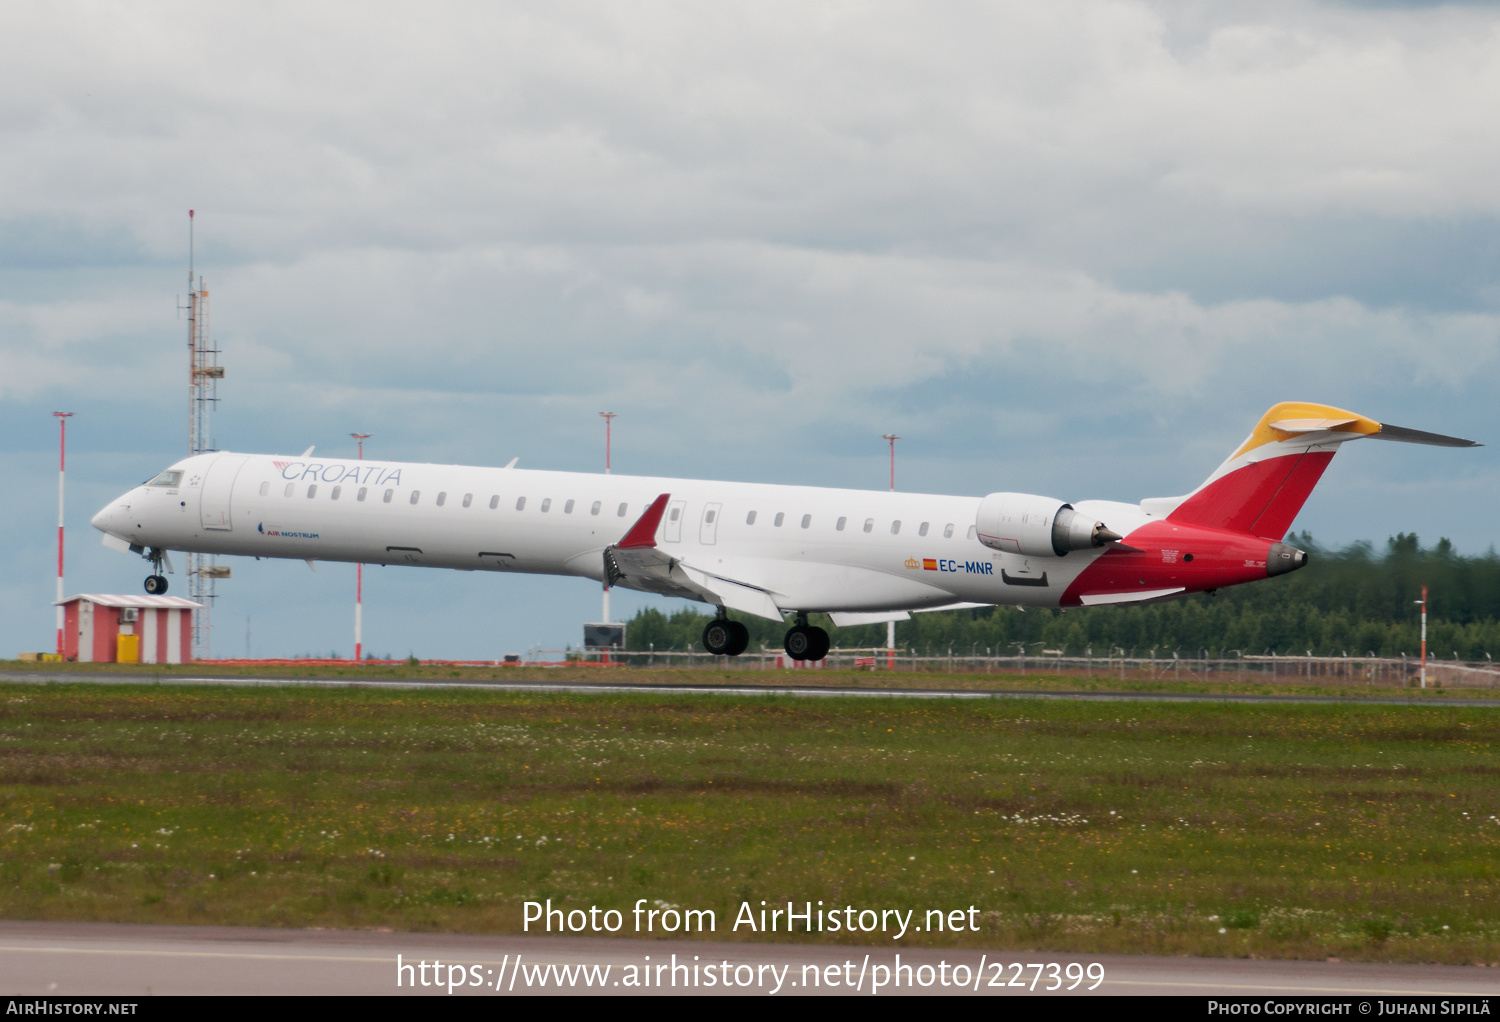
(204, 374)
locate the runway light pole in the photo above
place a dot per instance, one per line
(609, 421)
(1423, 602)
(359, 573)
(62, 465)
(890, 626)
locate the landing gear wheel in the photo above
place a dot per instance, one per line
(156, 585)
(806, 642)
(741, 640)
(820, 646)
(719, 636)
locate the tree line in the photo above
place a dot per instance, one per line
(1353, 600)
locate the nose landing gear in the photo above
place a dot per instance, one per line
(806, 642)
(723, 637)
(156, 582)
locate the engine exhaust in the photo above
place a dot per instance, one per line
(1072, 531)
(1281, 559)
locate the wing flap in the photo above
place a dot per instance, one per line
(850, 618)
(652, 570)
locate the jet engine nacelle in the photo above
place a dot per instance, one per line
(1023, 523)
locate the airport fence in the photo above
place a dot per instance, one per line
(1322, 670)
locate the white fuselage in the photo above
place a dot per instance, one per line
(814, 549)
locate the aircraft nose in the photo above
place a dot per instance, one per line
(107, 516)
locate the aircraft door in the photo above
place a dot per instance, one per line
(708, 530)
(218, 485)
(672, 527)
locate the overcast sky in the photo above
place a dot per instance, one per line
(1066, 248)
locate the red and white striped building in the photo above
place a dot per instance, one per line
(128, 629)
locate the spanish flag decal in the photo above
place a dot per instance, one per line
(929, 564)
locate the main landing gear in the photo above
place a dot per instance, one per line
(156, 582)
(724, 637)
(806, 642)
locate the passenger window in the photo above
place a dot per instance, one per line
(595, 509)
(568, 508)
(620, 513)
(494, 502)
(896, 527)
(780, 517)
(709, 518)
(520, 503)
(289, 488)
(442, 498)
(922, 529)
(387, 497)
(750, 518)
(364, 491)
(336, 491)
(676, 511)
(842, 522)
(806, 520)
(265, 488)
(416, 495)
(546, 504)
(468, 499)
(869, 524)
(972, 530)
(312, 491)
(948, 531)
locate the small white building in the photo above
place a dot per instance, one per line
(101, 629)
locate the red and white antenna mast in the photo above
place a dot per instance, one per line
(62, 466)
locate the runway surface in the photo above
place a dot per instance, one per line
(76, 959)
(801, 691)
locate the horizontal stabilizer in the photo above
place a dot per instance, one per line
(1310, 425)
(1401, 434)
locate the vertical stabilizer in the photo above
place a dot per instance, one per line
(1261, 486)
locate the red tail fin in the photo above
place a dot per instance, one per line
(1263, 484)
(1262, 498)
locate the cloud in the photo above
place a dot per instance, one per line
(1078, 244)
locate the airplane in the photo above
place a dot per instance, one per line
(859, 556)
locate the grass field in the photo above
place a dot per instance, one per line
(1366, 832)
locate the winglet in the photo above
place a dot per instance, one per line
(643, 532)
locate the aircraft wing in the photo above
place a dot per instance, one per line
(762, 586)
(636, 562)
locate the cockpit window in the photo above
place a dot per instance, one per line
(171, 477)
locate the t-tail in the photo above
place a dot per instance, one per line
(1261, 486)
